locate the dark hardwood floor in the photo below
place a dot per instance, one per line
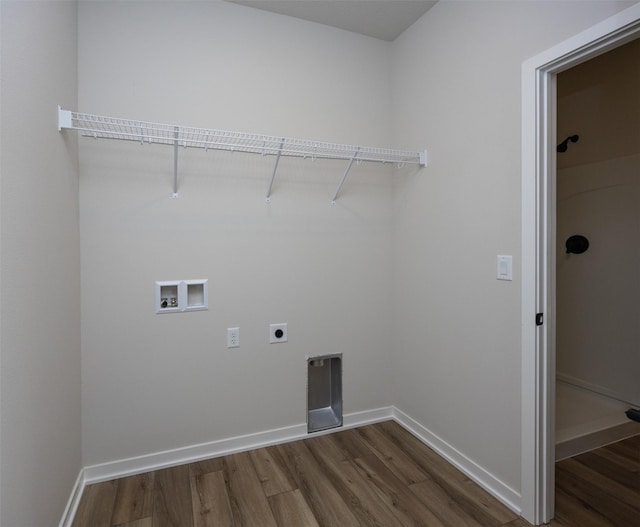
(376, 475)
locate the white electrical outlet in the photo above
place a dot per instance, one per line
(233, 337)
(278, 333)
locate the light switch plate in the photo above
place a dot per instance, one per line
(505, 267)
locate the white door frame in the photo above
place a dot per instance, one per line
(538, 251)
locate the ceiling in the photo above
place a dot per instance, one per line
(383, 19)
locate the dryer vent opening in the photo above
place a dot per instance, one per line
(324, 392)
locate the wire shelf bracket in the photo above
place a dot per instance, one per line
(275, 170)
(344, 176)
(101, 127)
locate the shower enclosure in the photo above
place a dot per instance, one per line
(598, 251)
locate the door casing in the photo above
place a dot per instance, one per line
(538, 250)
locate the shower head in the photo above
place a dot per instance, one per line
(562, 147)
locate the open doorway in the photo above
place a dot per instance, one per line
(539, 143)
(598, 251)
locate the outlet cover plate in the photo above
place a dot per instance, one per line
(278, 333)
(233, 337)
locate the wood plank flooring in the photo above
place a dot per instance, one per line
(377, 475)
(600, 488)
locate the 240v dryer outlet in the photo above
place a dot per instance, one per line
(278, 333)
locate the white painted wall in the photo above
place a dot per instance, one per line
(157, 382)
(457, 89)
(598, 291)
(40, 454)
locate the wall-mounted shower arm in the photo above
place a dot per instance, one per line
(562, 147)
(101, 127)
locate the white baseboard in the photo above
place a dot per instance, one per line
(596, 388)
(222, 447)
(510, 497)
(74, 500)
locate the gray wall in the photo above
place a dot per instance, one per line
(158, 382)
(40, 297)
(457, 88)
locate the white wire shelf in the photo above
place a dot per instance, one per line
(101, 127)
